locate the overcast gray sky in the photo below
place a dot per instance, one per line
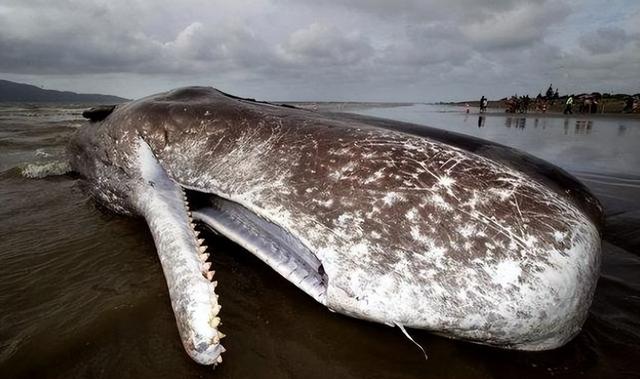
(370, 50)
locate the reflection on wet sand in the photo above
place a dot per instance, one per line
(581, 126)
(622, 129)
(516, 122)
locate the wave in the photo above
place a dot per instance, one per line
(43, 170)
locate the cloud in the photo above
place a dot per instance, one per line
(519, 27)
(89, 40)
(221, 48)
(427, 45)
(423, 10)
(335, 49)
(320, 44)
(605, 40)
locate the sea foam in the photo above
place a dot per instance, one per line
(42, 170)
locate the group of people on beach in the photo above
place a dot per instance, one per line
(586, 103)
(583, 103)
(523, 104)
(518, 104)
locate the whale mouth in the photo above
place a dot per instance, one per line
(272, 244)
(170, 210)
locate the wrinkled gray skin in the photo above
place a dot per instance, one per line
(373, 223)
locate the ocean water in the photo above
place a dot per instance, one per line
(82, 293)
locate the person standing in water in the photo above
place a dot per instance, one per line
(569, 105)
(483, 104)
(628, 105)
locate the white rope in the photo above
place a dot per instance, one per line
(412, 340)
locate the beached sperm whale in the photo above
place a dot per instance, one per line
(375, 219)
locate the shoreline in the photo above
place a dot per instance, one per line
(497, 112)
(341, 105)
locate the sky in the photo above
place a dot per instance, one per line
(331, 50)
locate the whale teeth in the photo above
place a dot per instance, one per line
(216, 309)
(215, 322)
(197, 232)
(219, 360)
(203, 257)
(209, 275)
(202, 249)
(214, 283)
(218, 337)
(200, 241)
(206, 266)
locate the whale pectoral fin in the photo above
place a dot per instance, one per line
(98, 113)
(163, 204)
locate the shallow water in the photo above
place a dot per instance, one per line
(82, 293)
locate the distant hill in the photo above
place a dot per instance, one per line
(13, 92)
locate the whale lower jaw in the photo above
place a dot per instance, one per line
(185, 262)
